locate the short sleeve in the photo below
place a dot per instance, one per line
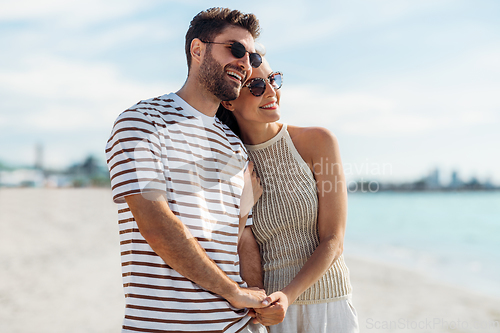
(249, 219)
(134, 156)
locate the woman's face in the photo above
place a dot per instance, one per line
(261, 109)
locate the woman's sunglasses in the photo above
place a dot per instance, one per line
(239, 51)
(258, 85)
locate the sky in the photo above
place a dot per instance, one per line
(407, 86)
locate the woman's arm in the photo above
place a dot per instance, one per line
(250, 261)
(248, 249)
(332, 212)
(332, 216)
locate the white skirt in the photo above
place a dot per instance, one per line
(338, 316)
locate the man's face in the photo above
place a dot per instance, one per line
(221, 73)
(213, 77)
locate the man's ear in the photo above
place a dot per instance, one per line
(197, 49)
(228, 105)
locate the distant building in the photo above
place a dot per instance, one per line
(90, 172)
(429, 182)
(22, 178)
(456, 182)
(432, 180)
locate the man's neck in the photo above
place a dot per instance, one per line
(199, 98)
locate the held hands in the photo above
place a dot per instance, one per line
(252, 297)
(270, 310)
(274, 313)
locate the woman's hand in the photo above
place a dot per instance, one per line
(275, 312)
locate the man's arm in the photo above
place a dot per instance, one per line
(250, 261)
(173, 242)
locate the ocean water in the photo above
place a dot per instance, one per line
(452, 237)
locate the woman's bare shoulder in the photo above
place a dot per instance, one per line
(312, 142)
(311, 135)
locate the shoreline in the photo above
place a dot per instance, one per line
(431, 266)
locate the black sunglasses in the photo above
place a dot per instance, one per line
(258, 85)
(238, 51)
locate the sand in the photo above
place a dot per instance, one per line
(392, 299)
(60, 261)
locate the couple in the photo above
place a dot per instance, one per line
(193, 253)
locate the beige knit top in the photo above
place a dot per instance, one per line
(285, 221)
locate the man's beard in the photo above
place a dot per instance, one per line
(214, 78)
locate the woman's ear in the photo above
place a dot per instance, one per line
(228, 105)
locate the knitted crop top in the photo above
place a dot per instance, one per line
(285, 221)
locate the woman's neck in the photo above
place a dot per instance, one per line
(254, 134)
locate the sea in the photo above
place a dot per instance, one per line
(450, 237)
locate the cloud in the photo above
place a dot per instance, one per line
(308, 24)
(55, 32)
(454, 92)
(74, 13)
(373, 71)
(303, 99)
(355, 113)
(117, 36)
(67, 95)
(400, 109)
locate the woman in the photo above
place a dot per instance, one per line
(299, 221)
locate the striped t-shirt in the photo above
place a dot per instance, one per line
(163, 144)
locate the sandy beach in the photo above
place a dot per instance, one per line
(60, 262)
(392, 299)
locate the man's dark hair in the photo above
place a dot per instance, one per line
(211, 22)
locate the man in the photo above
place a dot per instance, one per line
(177, 175)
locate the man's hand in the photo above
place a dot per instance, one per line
(248, 298)
(274, 313)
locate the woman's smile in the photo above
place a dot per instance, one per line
(272, 105)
